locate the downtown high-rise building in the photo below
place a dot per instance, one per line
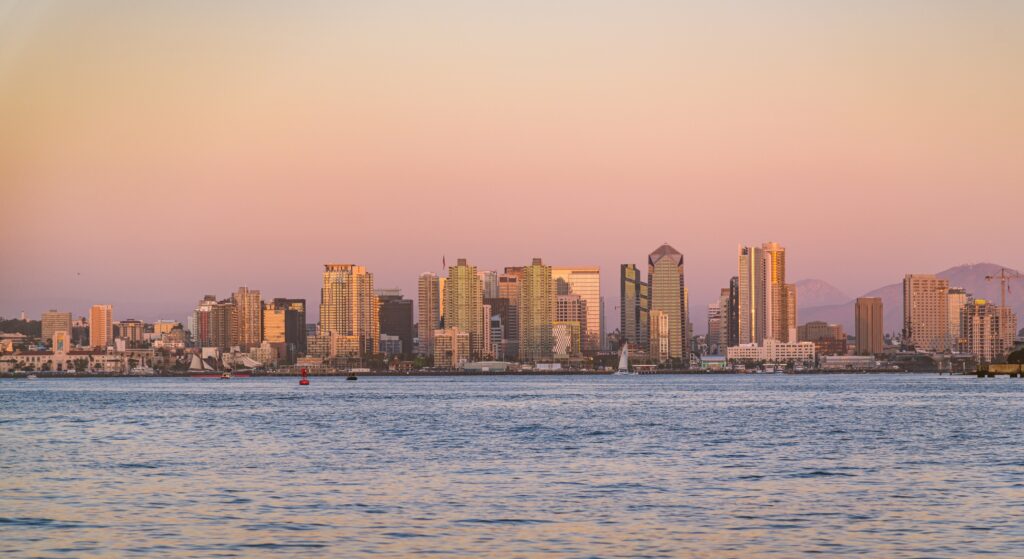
(868, 324)
(765, 310)
(463, 305)
(348, 309)
(987, 331)
(248, 318)
(584, 281)
(508, 289)
(101, 325)
(634, 307)
(396, 319)
(52, 322)
(428, 311)
(536, 312)
(714, 336)
(926, 312)
(489, 283)
(956, 299)
(284, 323)
(666, 278)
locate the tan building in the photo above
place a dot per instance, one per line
(776, 309)
(349, 307)
(463, 305)
(566, 336)
(765, 309)
(584, 281)
(926, 312)
(828, 339)
(660, 336)
(668, 294)
(451, 348)
(52, 322)
(429, 312)
(101, 325)
(130, 330)
(956, 299)
(869, 327)
(248, 314)
(791, 318)
(536, 312)
(508, 288)
(274, 324)
(987, 330)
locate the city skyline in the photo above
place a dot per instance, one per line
(611, 281)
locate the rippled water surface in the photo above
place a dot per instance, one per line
(712, 466)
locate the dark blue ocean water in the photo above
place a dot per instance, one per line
(657, 466)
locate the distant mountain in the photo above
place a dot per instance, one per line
(818, 293)
(969, 276)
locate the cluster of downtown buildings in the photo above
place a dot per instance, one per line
(534, 315)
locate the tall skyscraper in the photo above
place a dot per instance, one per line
(634, 308)
(463, 305)
(489, 283)
(733, 316)
(868, 318)
(536, 312)
(508, 289)
(53, 322)
(776, 308)
(751, 296)
(585, 281)
(988, 330)
(429, 314)
(956, 298)
(765, 312)
(714, 340)
(791, 318)
(284, 322)
(395, 315)
(348, 307)
(101, 325)
(926, 312)
(500, 318)
(666, 278)
(248, 314)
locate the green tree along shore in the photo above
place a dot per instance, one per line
(17, 326)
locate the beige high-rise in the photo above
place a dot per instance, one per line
(536, 312)
(956, 299)
(926, 312)
(776, 309)
(248, 318)
(585, 281)
(349, 307)
(53, 322)
(987, 330)
(429, 314)
(869, 332)
(668, 295)
(101, 325)
(463, 304)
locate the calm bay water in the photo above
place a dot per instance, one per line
(711, 466)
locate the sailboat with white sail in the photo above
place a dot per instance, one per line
(624, 362)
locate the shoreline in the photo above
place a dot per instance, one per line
(281, 374)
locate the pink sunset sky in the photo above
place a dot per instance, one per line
(154, 152)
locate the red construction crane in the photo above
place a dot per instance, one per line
(1004, 276)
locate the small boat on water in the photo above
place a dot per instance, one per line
(31, 377)
(624, 362)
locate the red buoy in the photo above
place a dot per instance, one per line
(305, 380)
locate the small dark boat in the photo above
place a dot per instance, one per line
(351, 377)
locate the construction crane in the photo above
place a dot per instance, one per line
(1004, 276)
